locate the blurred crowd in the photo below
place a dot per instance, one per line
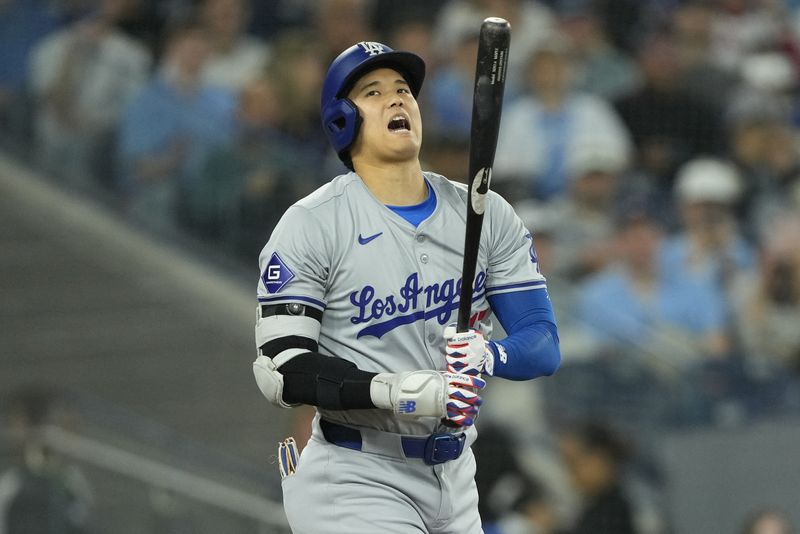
(651, 146)
(41, 492)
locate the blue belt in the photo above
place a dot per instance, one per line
(434, 449)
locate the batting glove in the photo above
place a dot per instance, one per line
(467, 352)
(451, 396)
(463, 399)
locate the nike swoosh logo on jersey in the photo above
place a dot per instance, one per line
(365, 240)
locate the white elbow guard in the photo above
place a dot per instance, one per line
(415, 393)
(269, 381)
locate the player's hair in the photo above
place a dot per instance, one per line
(340, 118)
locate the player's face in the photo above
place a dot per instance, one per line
(391, 130)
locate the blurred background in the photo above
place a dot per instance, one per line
(147, 148)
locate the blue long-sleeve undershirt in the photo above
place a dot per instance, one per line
(531, 348)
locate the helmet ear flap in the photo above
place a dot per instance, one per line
(342, 121)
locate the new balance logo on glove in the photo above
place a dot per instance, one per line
(407, 406)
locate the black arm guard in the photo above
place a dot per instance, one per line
(324, 381)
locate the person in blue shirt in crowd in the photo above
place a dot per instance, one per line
(640, 302)
(169, 127)
(710, 245)
(670, 329)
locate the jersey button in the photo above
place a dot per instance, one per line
(431, 338)
(424, 258)
(420, 239)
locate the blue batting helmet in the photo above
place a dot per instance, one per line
(340, 118)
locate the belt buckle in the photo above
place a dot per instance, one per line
(443, 447)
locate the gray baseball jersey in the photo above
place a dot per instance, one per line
(386, 288)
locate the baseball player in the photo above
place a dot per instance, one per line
(357, 298)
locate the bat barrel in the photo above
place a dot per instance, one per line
(490, 78)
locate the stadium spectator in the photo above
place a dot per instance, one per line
(297, 72)
(710, 246)
(40, 493)
(595, 457)
(168, 127)
(600, 68)
(669, 125)
(82, 78)
(550, 122)
(710, 83)
(585, 225)
(767, 304)
(23, 23)
(663, 333)
(236, 58)
(649, 304)
(532, 22)
(711, 251)
(768, 62)
(764, 148)
(246, 183)
(511, 500)
(451, 90)
(214, 204)
(741, 27)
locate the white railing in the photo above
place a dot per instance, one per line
(156, 474)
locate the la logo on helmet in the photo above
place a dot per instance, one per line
(371, 48)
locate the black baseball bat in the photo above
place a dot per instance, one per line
(487, 104)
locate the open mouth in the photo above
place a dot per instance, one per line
(399, 124)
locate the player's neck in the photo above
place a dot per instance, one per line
(396, 185)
